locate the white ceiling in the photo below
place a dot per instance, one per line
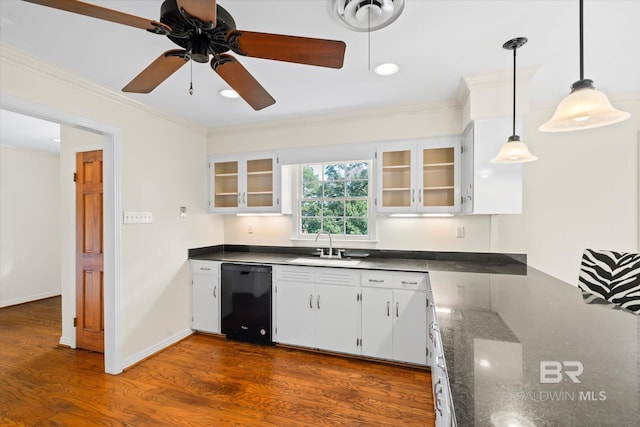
(435, 43)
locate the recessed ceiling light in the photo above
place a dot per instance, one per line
(229, 93)
(387, 69)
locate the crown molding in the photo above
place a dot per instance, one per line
(338, 117)
(49, 70)
(493, 80)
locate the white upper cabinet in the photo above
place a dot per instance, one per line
(244, 183)
(490, 188)
(419, 176)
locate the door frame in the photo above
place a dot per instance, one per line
(112, 176)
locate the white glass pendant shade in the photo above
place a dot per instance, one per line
(514, 151)
(584, 108)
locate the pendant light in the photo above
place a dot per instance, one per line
(514, 150)
(585, 107)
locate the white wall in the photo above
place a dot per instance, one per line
(581, 193)
(163, 167)
(29, 232)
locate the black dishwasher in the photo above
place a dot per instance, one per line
(245, 292)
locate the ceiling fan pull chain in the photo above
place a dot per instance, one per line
(191, 79)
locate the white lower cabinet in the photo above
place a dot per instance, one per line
(394, 316)
(205, 290)
(318, 308)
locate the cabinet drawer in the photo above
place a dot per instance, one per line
(205, 267)
(377, 280)
(415, 281)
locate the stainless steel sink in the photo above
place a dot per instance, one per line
(325, 261)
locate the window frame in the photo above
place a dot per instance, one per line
(370, 198)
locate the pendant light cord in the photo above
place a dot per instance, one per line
(581, 41)
(514, 91)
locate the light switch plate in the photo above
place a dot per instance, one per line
(138, 217)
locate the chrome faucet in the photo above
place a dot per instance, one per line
(330, 244)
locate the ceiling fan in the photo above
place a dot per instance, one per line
(204, 29)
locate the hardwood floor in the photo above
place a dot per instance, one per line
(201, 381)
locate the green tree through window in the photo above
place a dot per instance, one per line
(335, 198)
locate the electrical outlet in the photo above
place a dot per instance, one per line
(138, 217)
(460, 231)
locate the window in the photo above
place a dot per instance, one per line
(334, 197)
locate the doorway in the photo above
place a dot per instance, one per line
(111, 138)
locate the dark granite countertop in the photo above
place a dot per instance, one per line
(496, 331)
(409, 261)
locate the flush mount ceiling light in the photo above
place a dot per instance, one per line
(387, 69)
(366, 15)
(585, 107)
(229, 93)
(514, 150)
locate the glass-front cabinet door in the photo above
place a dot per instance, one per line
(395, 179)
(225, 184)
(419, 176)
(244, 184)
(259, 176)
(439, 176)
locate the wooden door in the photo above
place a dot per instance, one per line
(89, 252)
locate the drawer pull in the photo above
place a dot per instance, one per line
(205, 268)
(404, 282)
(376, 281)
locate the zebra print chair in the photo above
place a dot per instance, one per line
(612, 276)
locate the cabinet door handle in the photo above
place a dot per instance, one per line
(388, 309)
(318, 302)
(397, 309)
(413, 195)
(311, 301)
(244, 198)
(420, 195)
(437, 391)
(205, 268)
(214, 292)
(239, 199)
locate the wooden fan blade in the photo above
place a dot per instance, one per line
(94, 11)
(300, 50)
(242, 81)
(204, 10)
(157, 72)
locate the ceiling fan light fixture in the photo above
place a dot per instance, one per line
(584, 107)
(366, 15)
(229, 94)
(386, 69)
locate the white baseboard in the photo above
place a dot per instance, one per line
(132, 360)
(66, 341)
(29, 298)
